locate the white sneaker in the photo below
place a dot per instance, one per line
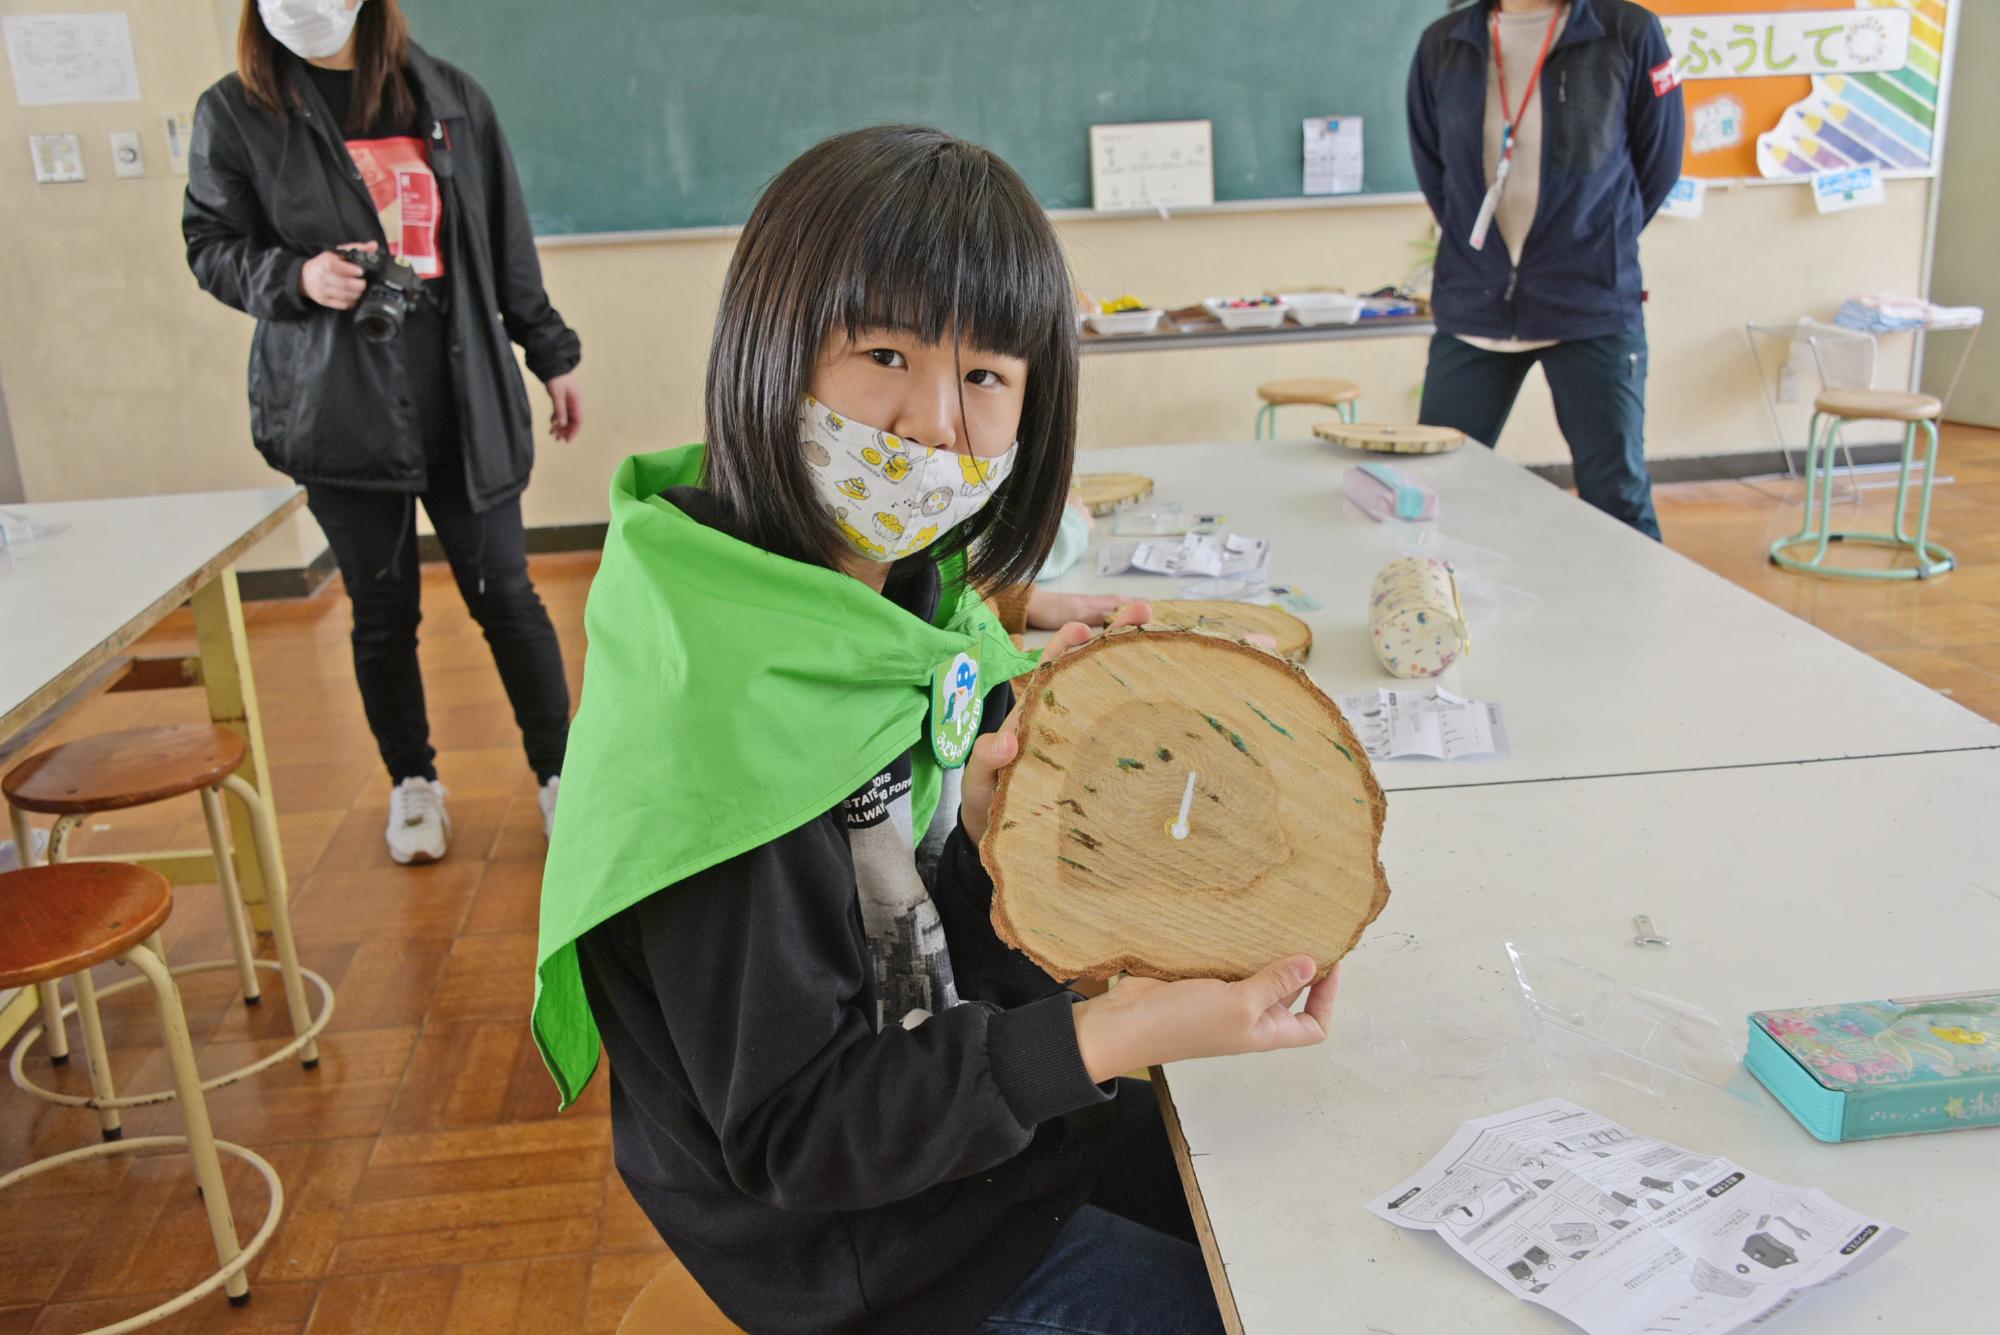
(546, 799)
(419, 828)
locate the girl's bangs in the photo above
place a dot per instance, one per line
(943, 248)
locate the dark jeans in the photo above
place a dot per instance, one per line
(374, 538)
(1599, 387)
(1127, 1263)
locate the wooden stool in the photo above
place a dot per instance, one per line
(673, 1304)
(1836, 408)
(60, 922)
(118, 770)
(1342, 396)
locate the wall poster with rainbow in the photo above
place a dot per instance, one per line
(1791, 88)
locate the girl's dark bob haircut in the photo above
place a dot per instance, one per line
(894, 227)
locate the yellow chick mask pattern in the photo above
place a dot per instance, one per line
(892, 497)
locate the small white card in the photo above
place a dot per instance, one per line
(1848, 188)
(180, 132)
(1333, 155)
(1152, 165)
(1715, 124)
(58, 157)
(1434, 724)
(1211, 554)
(1686, 199)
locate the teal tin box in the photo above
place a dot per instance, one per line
(1883, 1068)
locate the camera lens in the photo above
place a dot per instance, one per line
(379, 316)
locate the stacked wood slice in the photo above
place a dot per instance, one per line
(1291, 638)
(1390, 438)
(1102, 493)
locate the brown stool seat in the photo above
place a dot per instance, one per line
(673, 1302)
(124, 769)
(1325, 392)
(1882, 405)
(63, 919)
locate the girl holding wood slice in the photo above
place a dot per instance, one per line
(844, 1103)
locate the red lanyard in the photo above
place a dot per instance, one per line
(1514, 119)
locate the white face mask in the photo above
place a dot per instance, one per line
(309, 29)
(893, 497)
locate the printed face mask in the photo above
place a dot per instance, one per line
(890, 496)
(309, 29)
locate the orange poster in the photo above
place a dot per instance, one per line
(1794, 87)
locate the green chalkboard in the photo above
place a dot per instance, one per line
(630, 115)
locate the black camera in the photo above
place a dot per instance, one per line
(393, 287)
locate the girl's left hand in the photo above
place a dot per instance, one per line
(1047, 611)
(997, 750)
(566, 406)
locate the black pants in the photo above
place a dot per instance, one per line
(1599, 388)
(1140, 1179)
(374, 538)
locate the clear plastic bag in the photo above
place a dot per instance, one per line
(1636, 1037)
(1470, 1053)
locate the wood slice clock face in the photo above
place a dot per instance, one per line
(1277, 853)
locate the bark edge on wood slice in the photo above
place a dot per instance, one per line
(1391, 438)
(1284, 839)
(1238, 621)
(1103, 493)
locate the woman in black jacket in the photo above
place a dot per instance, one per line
(336, 126)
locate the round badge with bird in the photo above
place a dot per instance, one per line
(956, 707)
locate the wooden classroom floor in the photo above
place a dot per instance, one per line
(430, 1186)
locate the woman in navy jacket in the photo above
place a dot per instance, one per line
(1545, 136)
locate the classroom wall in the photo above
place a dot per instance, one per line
(1968, 203)
(123, 378)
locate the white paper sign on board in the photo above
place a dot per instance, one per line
(1152, 165)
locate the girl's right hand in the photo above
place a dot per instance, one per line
(332, 281)
(1142, 1022)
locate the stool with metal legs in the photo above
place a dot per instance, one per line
(1832, 410)
(120, 770)
(1343, 396)
(61, 921)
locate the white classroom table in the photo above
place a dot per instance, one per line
(95, 577)
(1617, 656)
(1778, 886)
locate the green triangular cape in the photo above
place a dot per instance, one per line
(729, 696)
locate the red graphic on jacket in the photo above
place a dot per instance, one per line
(397, 172)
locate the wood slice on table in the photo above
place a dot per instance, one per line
(1239, 621)
(1102, 493)
(1282, 836)
(1391, 438)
